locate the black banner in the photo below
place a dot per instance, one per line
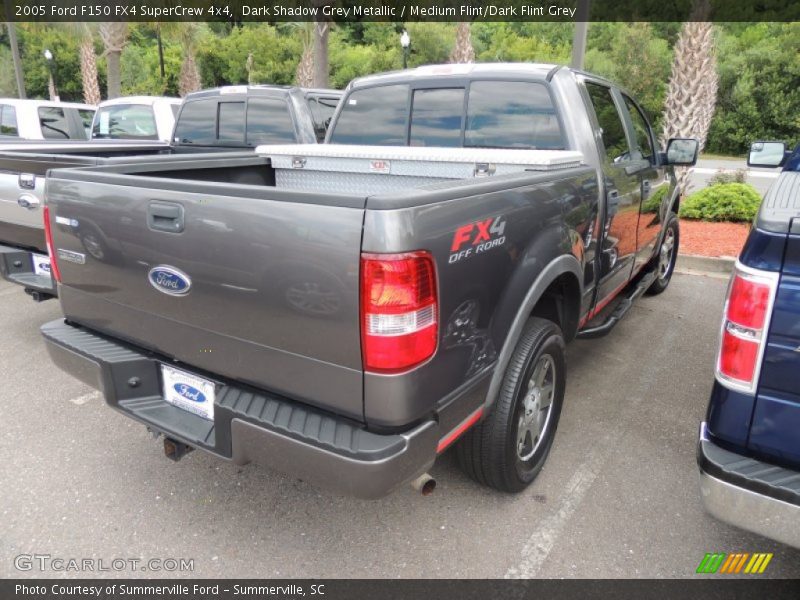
(400, 11)
(343, 589)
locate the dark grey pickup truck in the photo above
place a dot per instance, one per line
(346, 312)
(229, 118)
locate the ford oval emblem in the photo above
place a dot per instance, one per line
(189, 392)
(169, 280)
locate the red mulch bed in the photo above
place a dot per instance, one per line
(712, 239)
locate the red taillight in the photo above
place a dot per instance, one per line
(744, 327)
(48, 236)
(399, 313)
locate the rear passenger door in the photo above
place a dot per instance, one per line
(622, 187)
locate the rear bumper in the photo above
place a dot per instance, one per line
(749, 494)
(303, 442)
(16, 266)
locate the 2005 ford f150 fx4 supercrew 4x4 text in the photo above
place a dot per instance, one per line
(346, 312)
(222, 119)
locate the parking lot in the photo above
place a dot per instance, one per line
(617, 498)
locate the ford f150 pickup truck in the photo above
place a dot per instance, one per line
(230, 118)
(749, 447)
(346, 312)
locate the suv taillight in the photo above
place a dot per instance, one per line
(51, 249)
(745, 324)
(399, 312)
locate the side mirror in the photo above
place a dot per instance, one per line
(682, 152)
(766, 154)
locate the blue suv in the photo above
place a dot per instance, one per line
(749, 446)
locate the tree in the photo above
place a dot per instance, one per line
(463, 52)
(322, 30)
(18, 77)
(85, 33)
(188, 34)
(114, 36)
(692, 91)
(304, 75)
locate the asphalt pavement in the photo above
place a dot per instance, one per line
(617, 498)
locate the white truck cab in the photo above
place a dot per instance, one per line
(135, 118)
(44, 120)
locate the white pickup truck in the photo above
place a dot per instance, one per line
(136, 118)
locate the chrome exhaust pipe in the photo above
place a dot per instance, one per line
(424, 484)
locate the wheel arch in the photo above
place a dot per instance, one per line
(561, 276)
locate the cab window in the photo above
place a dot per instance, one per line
(612, 130)
(8, 120)
(436, 117)
(53, 123)
(644, 143)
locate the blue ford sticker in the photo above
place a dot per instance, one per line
(189, 392)
(169, 280)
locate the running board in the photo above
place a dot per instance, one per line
(620, 310)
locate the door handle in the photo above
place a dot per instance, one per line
(645, 188)
(165, 216)
(612, 197)
(29, 201)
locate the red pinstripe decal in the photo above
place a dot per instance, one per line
(454, 435)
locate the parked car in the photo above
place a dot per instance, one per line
(749, 447)
(136, 118)
(44, 120)
(208, 121)
(346, 312)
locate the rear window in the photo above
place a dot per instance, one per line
(375, 117)
(125, 122)
(231, 122)
(197, 123)
(53, 123)
(269, 122)
(8, 120)
(436, 117)
(511, 114)
(499, 114)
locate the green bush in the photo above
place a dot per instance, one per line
(653, 203)
(723, 202)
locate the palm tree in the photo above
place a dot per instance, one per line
(85, 32)
(304, 75)
(190, 75)
(114, 36)
(692, 92)
(463, 52)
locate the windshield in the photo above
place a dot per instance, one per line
(125, 122)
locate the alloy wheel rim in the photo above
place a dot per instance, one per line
(537, 406)
(667, 254)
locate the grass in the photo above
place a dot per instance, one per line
(709, 156)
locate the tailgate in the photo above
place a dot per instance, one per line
(775, 428)
(245, 282)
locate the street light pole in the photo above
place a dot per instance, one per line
(52, 83)
(405, 42)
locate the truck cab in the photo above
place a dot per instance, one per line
(749, 448)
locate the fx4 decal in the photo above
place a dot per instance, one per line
(475, 238)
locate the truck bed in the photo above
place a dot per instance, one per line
(273, 263)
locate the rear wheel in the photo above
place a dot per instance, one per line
(509, 447)
(664, 261)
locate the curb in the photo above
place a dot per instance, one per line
(690, 263)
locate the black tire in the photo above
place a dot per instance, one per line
(489, 452)
(664, 271)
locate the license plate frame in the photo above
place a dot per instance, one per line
(189, 392)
